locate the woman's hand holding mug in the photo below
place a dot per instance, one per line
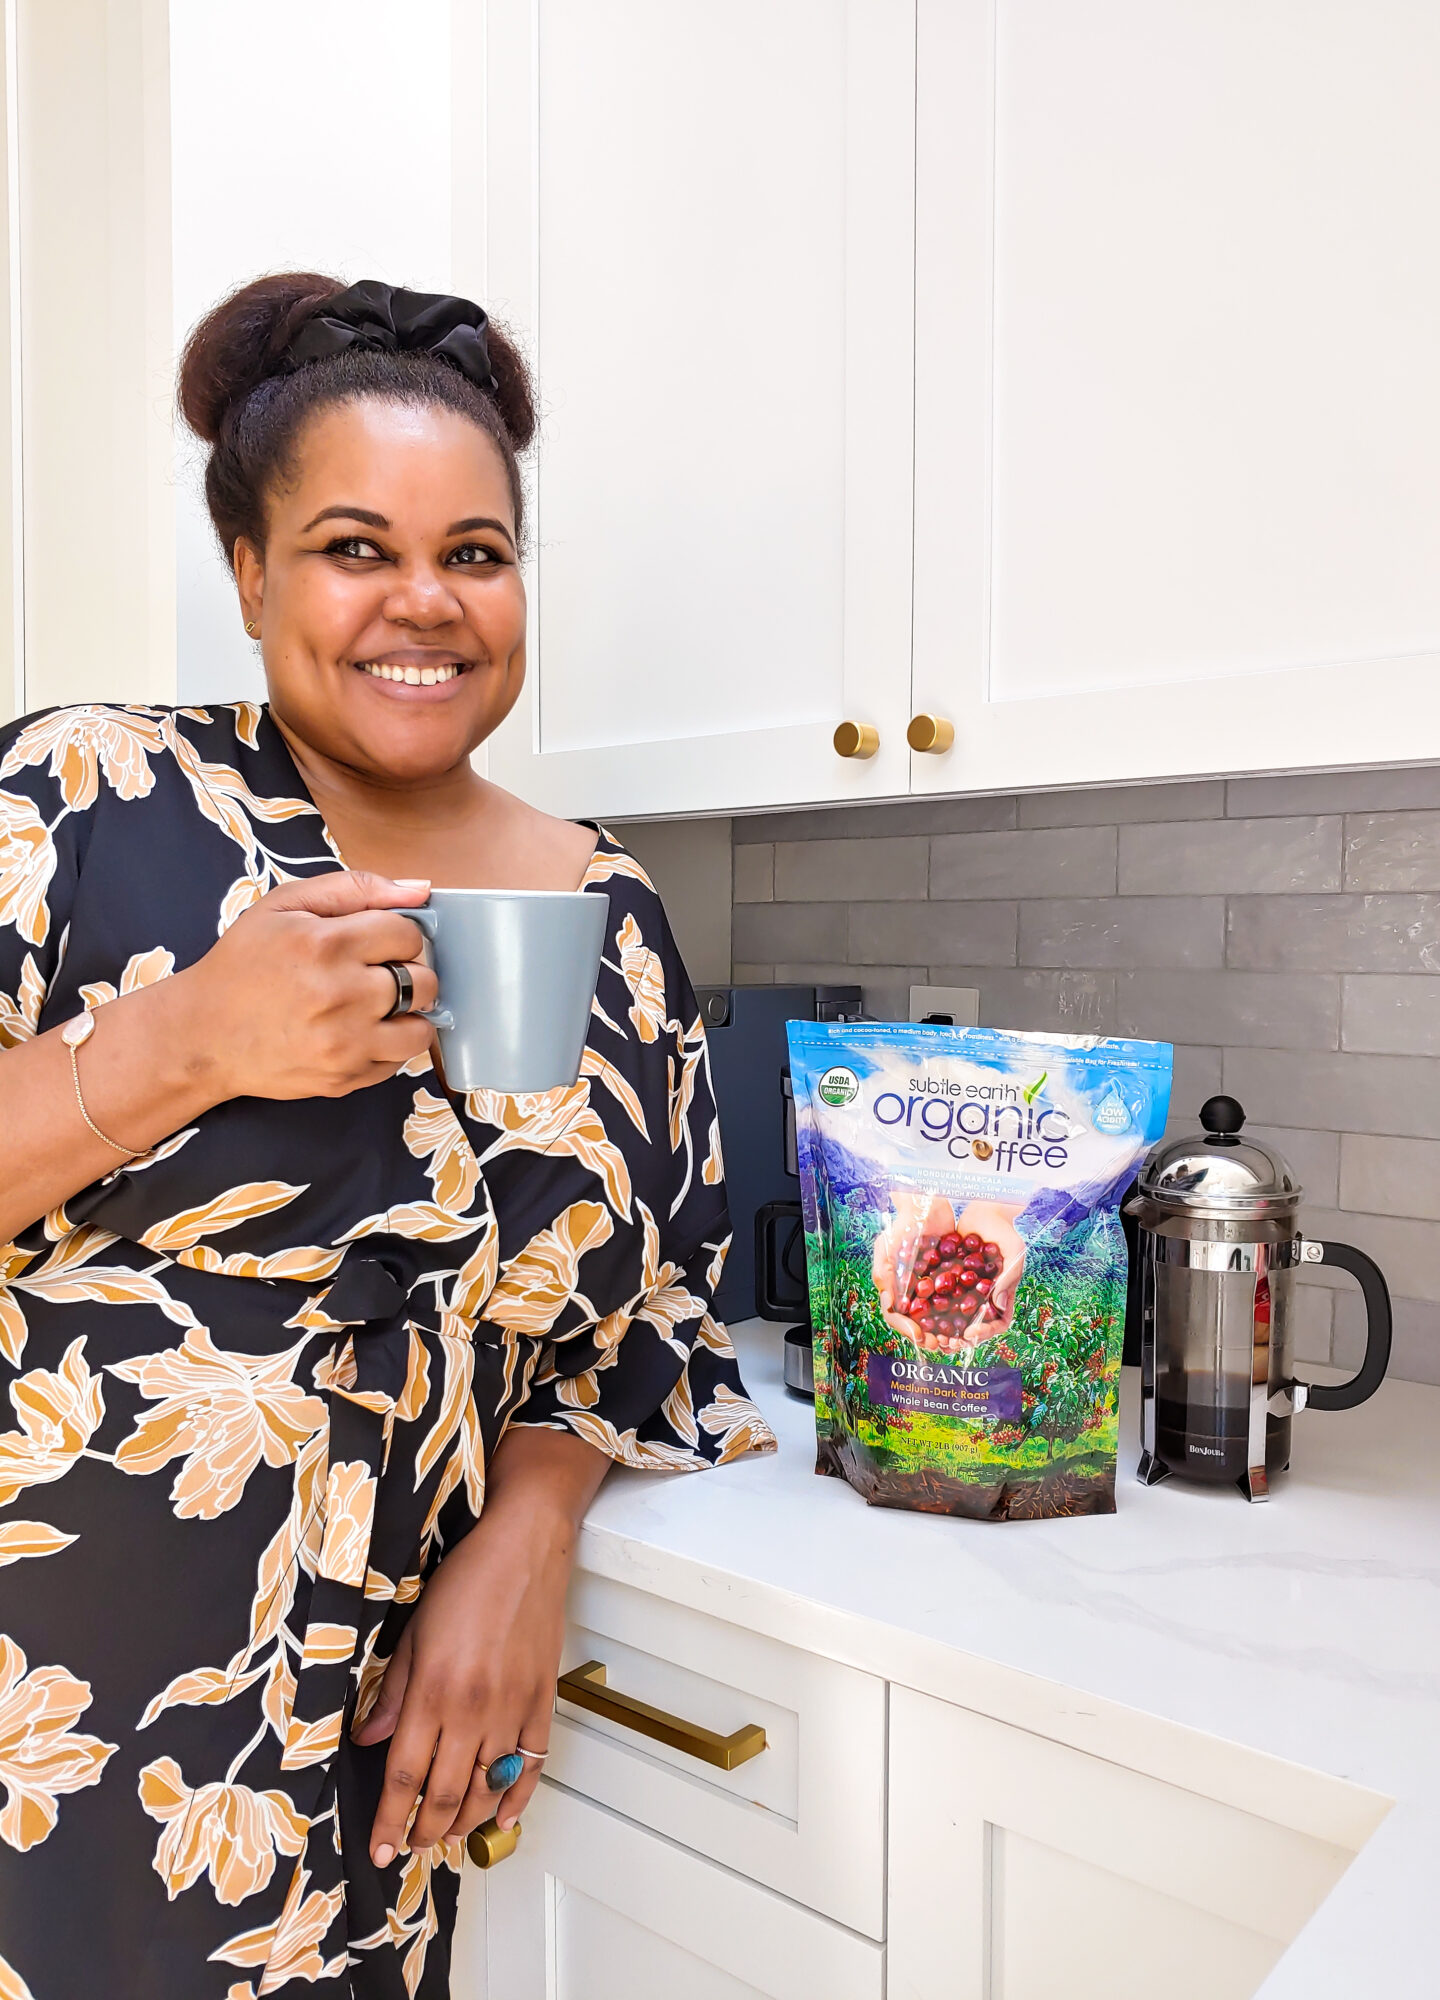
(292, 1002)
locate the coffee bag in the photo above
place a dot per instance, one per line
(967, 1267)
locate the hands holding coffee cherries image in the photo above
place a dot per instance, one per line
(948, 1281)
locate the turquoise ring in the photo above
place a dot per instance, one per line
(504, 1772)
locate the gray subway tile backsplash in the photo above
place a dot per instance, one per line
(865, 822)
(1314, 1157)
(1404, 1249)
(1124, 805)
(1075, 861)
(765, 933)
(1231, 857)
(1283, 933)
(1384, 1013)
(1124, 931)
(1051, 1003)
(754, 873)
(853, 871)
(1198, 1074)
(1415, 1353)
(1336, 1091)
(1239, 1009)
(1394, 933)
(1388, 1176)
(925, 933)
(1413, 790)
(1399, 850)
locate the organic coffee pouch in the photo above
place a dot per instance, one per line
(967, 1267)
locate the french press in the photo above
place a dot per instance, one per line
(1219, 1250)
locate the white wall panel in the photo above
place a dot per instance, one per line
(316, 137)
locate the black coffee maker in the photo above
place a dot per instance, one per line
(782, 1291)
(745, 1027)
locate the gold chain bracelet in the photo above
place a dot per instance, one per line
(74, 1035)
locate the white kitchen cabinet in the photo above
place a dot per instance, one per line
(592, 1907)
(1170, 505)
(1177, 414)
(700, 220)
(1020, 1869)
(796, 1817)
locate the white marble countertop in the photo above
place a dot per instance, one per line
(1307, 1629)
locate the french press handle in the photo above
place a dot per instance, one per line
(1378, 1327)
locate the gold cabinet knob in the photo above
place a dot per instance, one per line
(490, 1843)
(930, 732)
(856, 739)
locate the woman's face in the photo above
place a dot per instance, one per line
(389, 597)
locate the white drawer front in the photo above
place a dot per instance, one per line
(591, 1907)
(805, 1816)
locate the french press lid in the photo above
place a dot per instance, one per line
(1218, 1173)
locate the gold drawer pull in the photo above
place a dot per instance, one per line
(930, 732)
(856, 739)
(585, 1686)
(492, 1843)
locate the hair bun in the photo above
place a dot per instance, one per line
(235, 346)
(239, 342)
(247, 394)
(513, 394)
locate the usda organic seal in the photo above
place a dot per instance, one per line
(838, 1086)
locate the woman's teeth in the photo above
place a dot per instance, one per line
(412, 676)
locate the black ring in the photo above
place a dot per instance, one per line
(404, 988)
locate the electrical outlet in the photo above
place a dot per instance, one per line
(961, 1003)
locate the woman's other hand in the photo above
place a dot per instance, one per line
(473, 1676)
(292, 1000)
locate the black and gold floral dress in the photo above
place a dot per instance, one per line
(254, 1378)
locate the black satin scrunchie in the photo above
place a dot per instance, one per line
(391, 320)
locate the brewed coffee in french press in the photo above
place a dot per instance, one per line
(1220, 1249)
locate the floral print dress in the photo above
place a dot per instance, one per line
(254, 1378)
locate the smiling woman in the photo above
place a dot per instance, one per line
(316, 1361)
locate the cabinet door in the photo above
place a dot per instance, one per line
(1177, 413)
(700, 220)
(590, 1907)
(797, 1817)
(1023, 1870)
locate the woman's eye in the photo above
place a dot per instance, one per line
(353, 546)
(473, 555)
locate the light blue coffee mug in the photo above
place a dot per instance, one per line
(517, 971)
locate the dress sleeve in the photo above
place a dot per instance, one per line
(42, 839)
(648, 1375)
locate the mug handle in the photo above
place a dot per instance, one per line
(1371, 1372)
(429, 922)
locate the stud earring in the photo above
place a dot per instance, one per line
(253, 630)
